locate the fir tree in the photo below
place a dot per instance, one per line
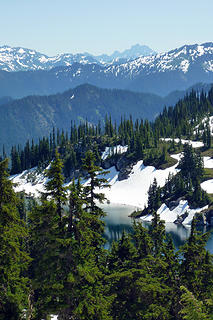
(13, 256)
(54, 186)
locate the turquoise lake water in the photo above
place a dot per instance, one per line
(117, 220)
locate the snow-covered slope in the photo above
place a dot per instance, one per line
(133, 191)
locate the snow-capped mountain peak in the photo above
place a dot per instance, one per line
(22, 59)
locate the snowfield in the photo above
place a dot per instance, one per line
(133, 191)
(31, 181)
(208, 185)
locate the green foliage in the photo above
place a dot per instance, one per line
(13, 256)
(196, 266)
(192, 309)
(54, 186)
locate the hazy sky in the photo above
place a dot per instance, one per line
(97, 26)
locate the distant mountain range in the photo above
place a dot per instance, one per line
(35, 116)
(160, 73)
(22, 59)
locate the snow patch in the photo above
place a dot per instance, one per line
(194, 144)
(208, 162)
(171, 215)
(113, 150)
(207, 186)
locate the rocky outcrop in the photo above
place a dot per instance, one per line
(124, 166)
(125, 172)
(109, 162)
(121, 163)
(181, 218)
(205, 217)
(172, 204)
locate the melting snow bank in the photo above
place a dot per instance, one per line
(172, 215)
(133, 191)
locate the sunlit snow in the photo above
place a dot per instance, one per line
(171, 215)
(113, 150)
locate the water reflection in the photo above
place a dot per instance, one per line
(117, 221)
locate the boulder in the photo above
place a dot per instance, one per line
(181, 218)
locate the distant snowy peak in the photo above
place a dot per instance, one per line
(22, 59)
(179, 59)
(161, 73)
(129, 54)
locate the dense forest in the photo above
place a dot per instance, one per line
(52, 256)
(53, 260)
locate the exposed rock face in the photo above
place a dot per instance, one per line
(121, 163)
(108, 163)
(124, 166)
(205, 217)
(181, 218)
(125, 172)
(172, 204)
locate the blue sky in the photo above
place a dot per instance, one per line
(56, 26)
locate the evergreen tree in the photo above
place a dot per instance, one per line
(84, 294)
(13, 256)
(92, 196)
(54, 186)
(192, 309)
(47, 244)
(154, 201)
(195, 264)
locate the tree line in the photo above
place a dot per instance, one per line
(141, 136)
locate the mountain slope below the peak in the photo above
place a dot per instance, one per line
(35, 116)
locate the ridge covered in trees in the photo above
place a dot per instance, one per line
(142, 137)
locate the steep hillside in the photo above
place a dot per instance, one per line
(35, 116)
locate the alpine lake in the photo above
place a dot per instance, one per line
(117, 220)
